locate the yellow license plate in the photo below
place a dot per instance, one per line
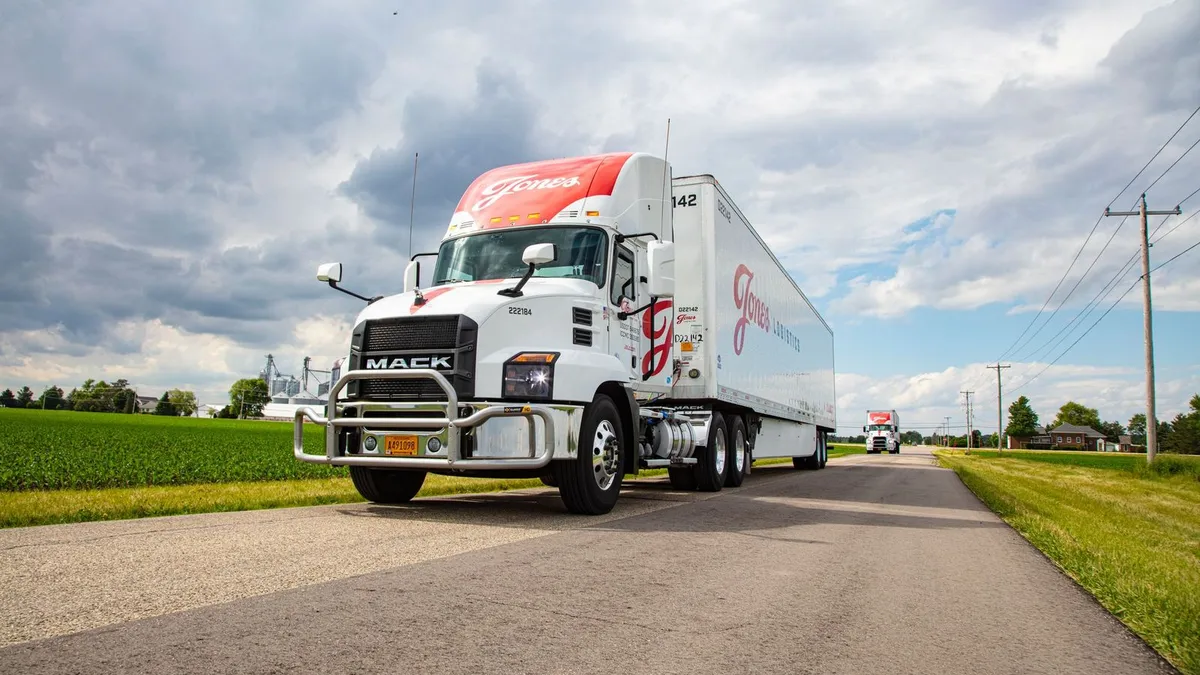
(400, 445)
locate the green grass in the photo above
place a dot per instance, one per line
(1129, 535)
(843, 449)
(1135, 463)
(54, 450)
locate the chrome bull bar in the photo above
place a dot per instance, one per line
(538, 457)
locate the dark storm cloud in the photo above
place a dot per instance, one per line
(456, 143)
(124, 125)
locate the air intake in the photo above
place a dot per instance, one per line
(583, 337)
(581, 316)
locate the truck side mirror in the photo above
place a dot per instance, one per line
(660, 258)
(539, 254)
(412, 276)
(864, 428)
(330, 272)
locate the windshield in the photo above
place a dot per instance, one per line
(880, 427)
(497, 255)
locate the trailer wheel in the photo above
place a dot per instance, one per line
(591, 483)
(713, 464)
(810, 463)
(823, 450)
(739, 453)
(386, 486)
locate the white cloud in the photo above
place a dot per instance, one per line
(926, 399)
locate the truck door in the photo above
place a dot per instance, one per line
(623, 334)
(656, 333)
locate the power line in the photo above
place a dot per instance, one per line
(1177, 226)
(1093, 231)
(1160, 176)
(1087, 310)
(1077, 283)
(1064, 352)
(1176, 257)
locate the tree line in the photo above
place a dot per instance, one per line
(247, 397)
(100, 396)
(1180, 435)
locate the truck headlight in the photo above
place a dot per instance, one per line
(530, 375)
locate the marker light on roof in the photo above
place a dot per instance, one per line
(593, 213)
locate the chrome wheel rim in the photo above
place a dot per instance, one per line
(719, 448)
(605, 455)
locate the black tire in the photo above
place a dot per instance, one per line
(548, 479)
(601, 459)
(737, 430)
(682, 477)
(822, 451)
(712, 466)
(387, 486)
(810, 463)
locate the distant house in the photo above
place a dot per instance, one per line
(1067, 436)
(146, 404)
(1127, 445)
(1038, 440)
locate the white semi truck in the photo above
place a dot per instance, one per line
(883, 432)
(577, 330)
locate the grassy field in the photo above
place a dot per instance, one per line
(1165, 465)
(1128, 534)
(60, 467)
(55, 450)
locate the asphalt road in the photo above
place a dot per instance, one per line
(880, 564)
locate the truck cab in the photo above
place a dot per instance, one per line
(545, 314)
(883, 432)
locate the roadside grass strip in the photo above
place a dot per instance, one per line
(1129, 534)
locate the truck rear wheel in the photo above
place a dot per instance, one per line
(386, 486)
(591, 483)
(739, 453)
(823, 450)
(682, 478)
(712, 459)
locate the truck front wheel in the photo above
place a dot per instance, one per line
(591, 483)
(713, 464)
(386, 486)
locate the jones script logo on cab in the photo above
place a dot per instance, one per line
(495, 191)
(754, 310)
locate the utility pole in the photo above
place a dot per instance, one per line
(1147, 324)
(946, 435)
(968, 395)
(999, 406)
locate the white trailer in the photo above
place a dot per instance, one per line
(579, 330)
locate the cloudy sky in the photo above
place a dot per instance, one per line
(172, 173)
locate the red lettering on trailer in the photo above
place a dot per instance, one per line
(754, 310)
